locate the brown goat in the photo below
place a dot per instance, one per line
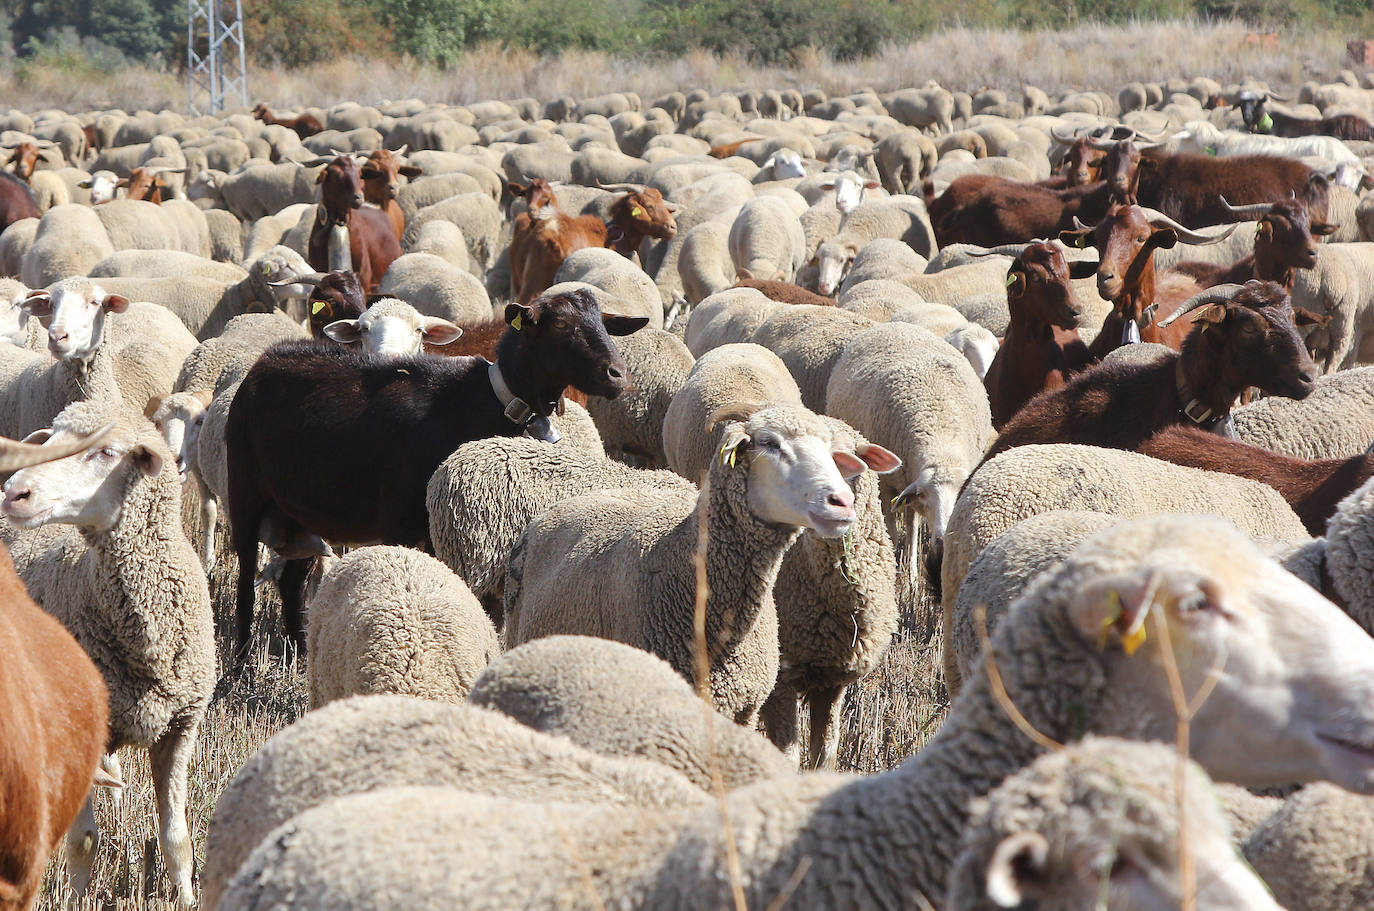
(1312, 488)
(1126, 239)
(303, 126)
(1285, 241)
(53, 717)
(372, 243)
(725, 150)
(782, 292)
(1041, 349)
(25, 160)
(381, 180)
(1240, 338)
(1189, 188)
(146, 184)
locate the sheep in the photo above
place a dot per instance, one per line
(631, 425)
(902, 218)
(146, 264)
(1341, 286)
(730, 374)
(904, 388)
(1313, 852)
(127, 583)
(179, 418)
(69, 240)
(260, 189)
(437, 288)
(766, 238)
(903, 158)
(1030, 480)
(1335, 421)
(775, 475)
(1099, 824)
(371, 742)
(703, 263)
(482, 497)
(886, 840)
(727, 317)
(624, 287)
(475, 214)
(444, 240)
(810, 341)
(575, 687)
(395, 620)
(393, 328)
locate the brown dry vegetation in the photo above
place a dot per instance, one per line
(1089, 56)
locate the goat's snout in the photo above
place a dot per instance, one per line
(614, 373)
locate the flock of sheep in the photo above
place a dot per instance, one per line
(664, 415)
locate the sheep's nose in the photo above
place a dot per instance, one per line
(15, 494)
(841, 499)
(57, 336)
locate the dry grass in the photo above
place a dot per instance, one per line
(1088, 56)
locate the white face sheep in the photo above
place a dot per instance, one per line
(849, 189)
(393, 328)
(75, 311)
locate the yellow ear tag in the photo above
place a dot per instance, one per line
(1011, 280)
(636, 212)
(1132, 641)
(517, 322)
(727, 455)
(317, 306)
(1081, 242)
(1113, 615)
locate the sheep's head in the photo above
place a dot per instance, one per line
(797, 465)
(74, 312)
(1098, 825)
(104, 186)
(179, 418)
(849, 187)
(86, 489)
(1281, 679)
(834, 259)
(393, 328)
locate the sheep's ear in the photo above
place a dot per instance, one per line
(734, 411)
(148, 460)
(153, 405)
(115, 303)
(850, 465)
(735, 442)
(438, 331)
(85, 184)
(623, 325)
(38, 303)
(1017, 869)
(345, 331)
(882, 461)
(871, 185)
(1114, 611)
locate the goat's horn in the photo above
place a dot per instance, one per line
(1103, 145)
(1079, 226)
(1158, 219)
(1066, 140)
(1002, 250)
(1275, 97)
(1250, 212)
(1219, 294)
(622, 187)
(401, 151)
(15, 454)
(306, 278)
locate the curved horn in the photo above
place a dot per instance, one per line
(1002, 250)
(307, 278)
(1079, 226)
(1272, 96)
(1158, 219)
(1103, 145)
(1066, 140)
(15, 454)
(401, 151)
(1219, 294)
(1249, 212)
(622, 187)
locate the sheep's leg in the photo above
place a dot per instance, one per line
(779, 715)
(209, 516)
(171, 760)
(1343, 348)
(110, 763)
(826, 706)
(83, 838)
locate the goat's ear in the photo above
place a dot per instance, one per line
(345, 331)
(1016, 871)
(1145, 163)
(1264, 230)
(38, 303)
(38, 437)
(517, 189)
(322, 309)
(519, 316)
(1083, 268)
(409, 170)
(1322, 229)
(148, 460)
(1163, 238)
(1080, 239)
(1097, 162)
(319, 178)
(882, 461)
(1016, 283)
(1210, 315)
(115, 303)
(623, 325)
(369, 173)
(122, 182)
(438, 331)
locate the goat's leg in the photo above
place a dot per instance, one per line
(83, 839)
(292, 588)
(826, 706)
(171, 760)
(110, 763)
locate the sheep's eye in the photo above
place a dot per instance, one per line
(770, 444)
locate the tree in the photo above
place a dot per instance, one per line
(132, 26)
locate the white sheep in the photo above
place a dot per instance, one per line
(1098, 824)
(899, 218)
(631, 425)
(624, 568)
(885, 841)
(767, 239)
(727, 317)
(179, 417)
(810, 340)
(371, 742)
(436, 287)
(1334, 421)
(127, 583)
(1314, 851)
(395, 620)
(622, 286)
(393, 328)
(575, 687)
(1341, 286)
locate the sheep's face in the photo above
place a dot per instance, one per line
(179, 418)
(393, 328)
(849, 190)
(979, 348)
(74, 314)
(786, 165)
(104, 186)
(1281, 679)
(834, 260)
(86, 490)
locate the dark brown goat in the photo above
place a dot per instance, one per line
(1259, 119)
(1285, 241)
(372, 243)
(1126, 239)
(147, 184)
(1188, 188)
(303, 126)
(53, 717)
(1041, 349)
(382, 179)
(1241, 338)
(1312, 488)
(308, 415)
(17, 201)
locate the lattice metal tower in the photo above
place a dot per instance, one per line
(215, 70)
